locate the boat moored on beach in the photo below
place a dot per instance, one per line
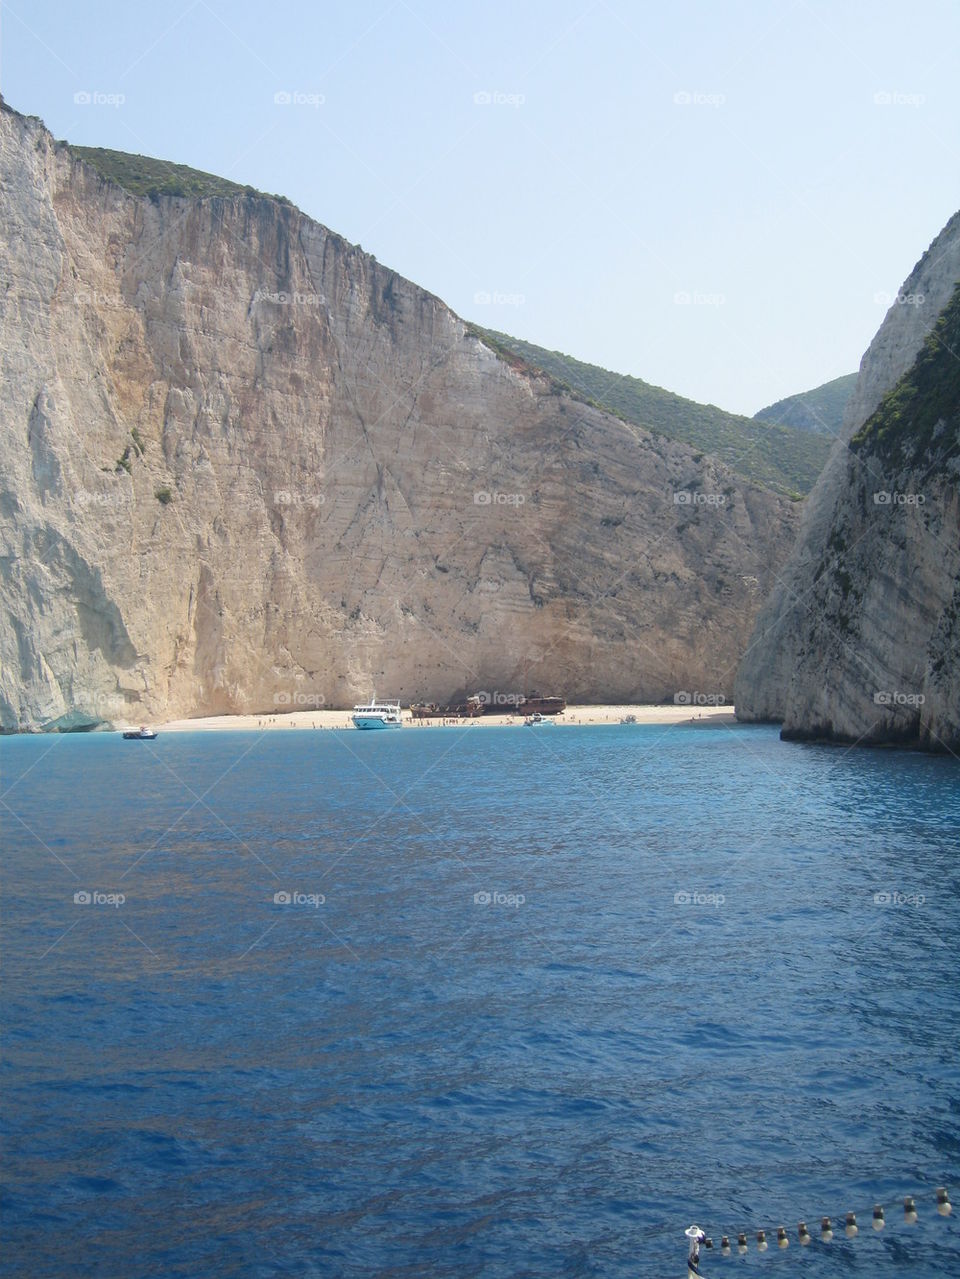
(377, 714)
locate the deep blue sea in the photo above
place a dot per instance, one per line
(528, 1003)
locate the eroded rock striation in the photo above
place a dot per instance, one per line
(858, 641)
(245, 467)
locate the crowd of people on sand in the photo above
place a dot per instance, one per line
(443, 722)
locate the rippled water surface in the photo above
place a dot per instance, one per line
(567, 990)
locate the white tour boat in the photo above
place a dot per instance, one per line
(377, 714)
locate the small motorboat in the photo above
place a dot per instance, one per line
(536, 718)
(141, 734)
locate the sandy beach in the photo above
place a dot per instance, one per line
(320, 719)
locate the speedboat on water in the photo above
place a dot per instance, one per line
(377, 714)
(141, 734)
(537, 718)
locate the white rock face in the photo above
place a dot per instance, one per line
(857, 641)
(245, 467)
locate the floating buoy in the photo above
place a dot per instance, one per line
(782, 1240)
(826, 1233)
(944, 1206)
(725, 1246)
(741, 1243)
(850, 1229)
(909, 1210)
(803, 1234)
(877, 1217)
(761, 1241)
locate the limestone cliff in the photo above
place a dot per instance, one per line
(858, 641)
(246, 466)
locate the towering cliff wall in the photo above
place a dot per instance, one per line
(244, 465)
(858, 641)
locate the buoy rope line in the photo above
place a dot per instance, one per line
(738, 1241)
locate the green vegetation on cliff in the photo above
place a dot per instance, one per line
(142, 175)
(819, 410)
(904, 428)
(778, 457)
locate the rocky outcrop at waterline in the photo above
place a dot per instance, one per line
(246, 467)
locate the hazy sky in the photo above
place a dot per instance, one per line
(719, 197)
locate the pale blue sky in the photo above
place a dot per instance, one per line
(719, 197)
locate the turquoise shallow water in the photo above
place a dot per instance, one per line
(699, 1010)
